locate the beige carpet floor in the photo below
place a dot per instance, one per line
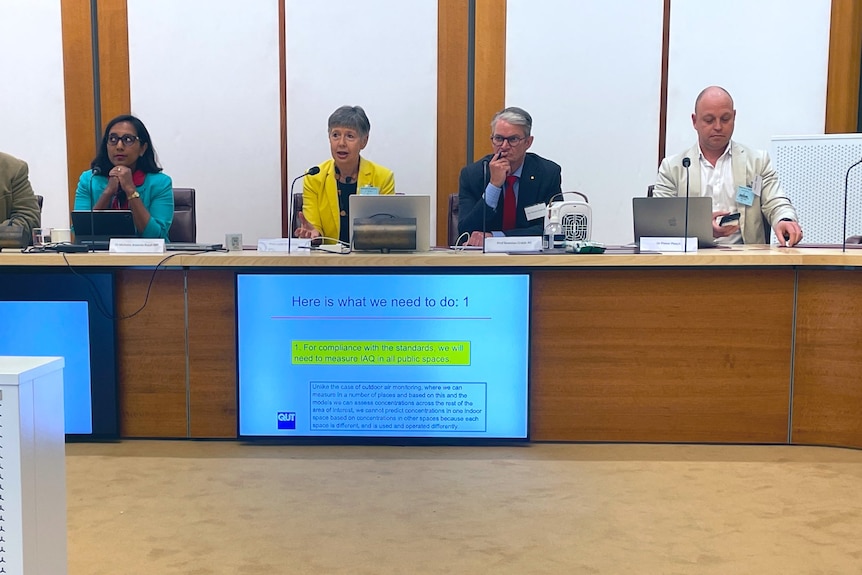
(201, 508)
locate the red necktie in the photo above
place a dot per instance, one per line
(509, 204)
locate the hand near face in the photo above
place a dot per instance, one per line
(123, 175)
(305, 229)
(112, 187)
(499, 167)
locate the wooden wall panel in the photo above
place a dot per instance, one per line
(490, 75)
(827, 402)
(78, 75)
(489, 85)
(661, 355)
(212, 353)
(845, 53)
(452, 42)
(665, 57)
(114, 86)
(151, 354)
(78, 83)
(286, 206)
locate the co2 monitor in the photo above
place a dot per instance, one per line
(431, 356)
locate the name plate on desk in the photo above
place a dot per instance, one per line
(513, 244)
(137, 246)
(668, 244)
(302, 245)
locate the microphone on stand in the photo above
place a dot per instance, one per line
(846, 181)
(484, 203)
(96, 171)
(686, 162)
(313, 170)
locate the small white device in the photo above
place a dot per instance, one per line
(569, 219)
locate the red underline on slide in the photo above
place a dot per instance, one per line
(375, 317)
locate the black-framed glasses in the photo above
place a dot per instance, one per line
(513, 140)
(127, 139)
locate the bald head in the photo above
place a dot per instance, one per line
(713, 119)
(714, 93)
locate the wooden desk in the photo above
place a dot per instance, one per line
(750, 345)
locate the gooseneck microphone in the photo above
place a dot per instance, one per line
(484, 202)
(846, 181)
(313, 170)
(95, 172)
(686, 162)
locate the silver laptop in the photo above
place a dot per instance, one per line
(407, 206)
(665, 218)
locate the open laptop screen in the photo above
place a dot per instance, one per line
(665, 218)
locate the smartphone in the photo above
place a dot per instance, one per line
(729, 220)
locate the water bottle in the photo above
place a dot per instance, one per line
(552, 237)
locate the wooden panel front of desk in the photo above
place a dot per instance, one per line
(827, 390)
(665, 355)
(160, 393)
(636, 354)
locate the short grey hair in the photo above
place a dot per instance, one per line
(352, 117)
(516, 117)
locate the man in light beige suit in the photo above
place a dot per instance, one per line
(18, 204)
(738, 179)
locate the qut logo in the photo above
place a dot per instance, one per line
(287, 420)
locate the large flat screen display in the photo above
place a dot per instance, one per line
(383, 355)
(57, 314)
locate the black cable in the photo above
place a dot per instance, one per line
(100, 305)
(846, 183)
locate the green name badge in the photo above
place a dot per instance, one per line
(369, 191)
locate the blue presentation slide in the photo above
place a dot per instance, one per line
(383, 355)
(59, 329)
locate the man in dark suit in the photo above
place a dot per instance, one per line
(496, 194)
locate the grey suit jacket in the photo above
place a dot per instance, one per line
(17, 202)
(772, 205)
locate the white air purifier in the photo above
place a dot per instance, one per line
(573, 214)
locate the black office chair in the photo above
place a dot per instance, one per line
(296, 209)
(184, 227)
(39, 200)
(452, 222)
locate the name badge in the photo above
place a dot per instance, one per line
(744, 195)
(369, 191)
(758, 185)
(535, 211)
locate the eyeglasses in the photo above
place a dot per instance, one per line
(127, 139)
(513, 140)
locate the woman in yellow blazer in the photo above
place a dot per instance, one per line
(325, 205)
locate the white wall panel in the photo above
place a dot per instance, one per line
(771, 55)
(589, 73)
(381, 55)
(204, 79)
(32, 104)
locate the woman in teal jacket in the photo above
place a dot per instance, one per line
(125, 175)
